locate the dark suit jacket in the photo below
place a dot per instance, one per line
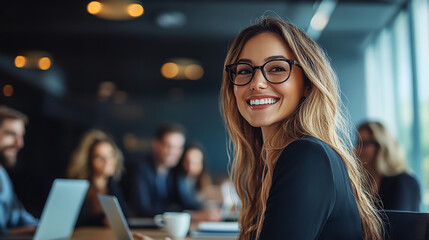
(145, 196)
(311, 196)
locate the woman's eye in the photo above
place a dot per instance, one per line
(244, 71)
(277, 69)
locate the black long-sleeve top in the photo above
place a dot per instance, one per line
(400, 192)
(311, 196)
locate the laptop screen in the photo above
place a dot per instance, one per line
(61, 209)
(116, 218)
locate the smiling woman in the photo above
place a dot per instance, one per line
(296, 177)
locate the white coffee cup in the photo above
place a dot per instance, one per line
(176, 223)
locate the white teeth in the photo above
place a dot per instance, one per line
(263, 101)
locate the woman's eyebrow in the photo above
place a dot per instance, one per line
(274, 57)
(245, 60)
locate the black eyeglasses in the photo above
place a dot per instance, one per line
(275, 71)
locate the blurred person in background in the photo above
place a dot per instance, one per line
(385, 161)
(152, 183)
(195, 182)
(99, 160)
(14, 219)
(192, 168)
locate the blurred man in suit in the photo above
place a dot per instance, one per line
(151, 180)
(14, 219)
(153, 187)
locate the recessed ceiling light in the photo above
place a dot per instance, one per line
(34, 59)
(194, 72)
(115, 9)
(20, 61)
(182, 69)
(169, 70)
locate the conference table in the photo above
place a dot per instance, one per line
(97, 233)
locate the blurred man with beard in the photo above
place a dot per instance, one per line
(14, 219)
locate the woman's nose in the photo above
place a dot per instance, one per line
(258, 81)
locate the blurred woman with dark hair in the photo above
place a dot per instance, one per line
(194, 184)
(192, 168)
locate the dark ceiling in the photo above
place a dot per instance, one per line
(88, 50)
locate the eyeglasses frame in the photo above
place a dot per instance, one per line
(228, 69)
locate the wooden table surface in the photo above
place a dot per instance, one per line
(97, 233)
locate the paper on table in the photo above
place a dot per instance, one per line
(217, 235)
(216, 230)
(218, 226)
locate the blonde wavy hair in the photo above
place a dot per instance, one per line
(390, 159)
(319, 115)
(80, 163)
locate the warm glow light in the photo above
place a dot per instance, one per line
(194, 72)
(135, 10)
(8, 90)
(94, 7)
(169, 70)
(20, 61)
(44, 63)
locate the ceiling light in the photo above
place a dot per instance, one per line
(135, 10)
(321, 18)
(182, 69)
(319, 21)
(44, 63)
(194, 72)
(169, 70)
(34, 59)
(116, 9)
(20, 61)
(94, 7)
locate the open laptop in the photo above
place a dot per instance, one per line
(116, 217)
(61, 210)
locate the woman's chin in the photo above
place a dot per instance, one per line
(261, 123)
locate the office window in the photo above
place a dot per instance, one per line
(397, 83)
(380, 81)
(420, 13)
(403, 84)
